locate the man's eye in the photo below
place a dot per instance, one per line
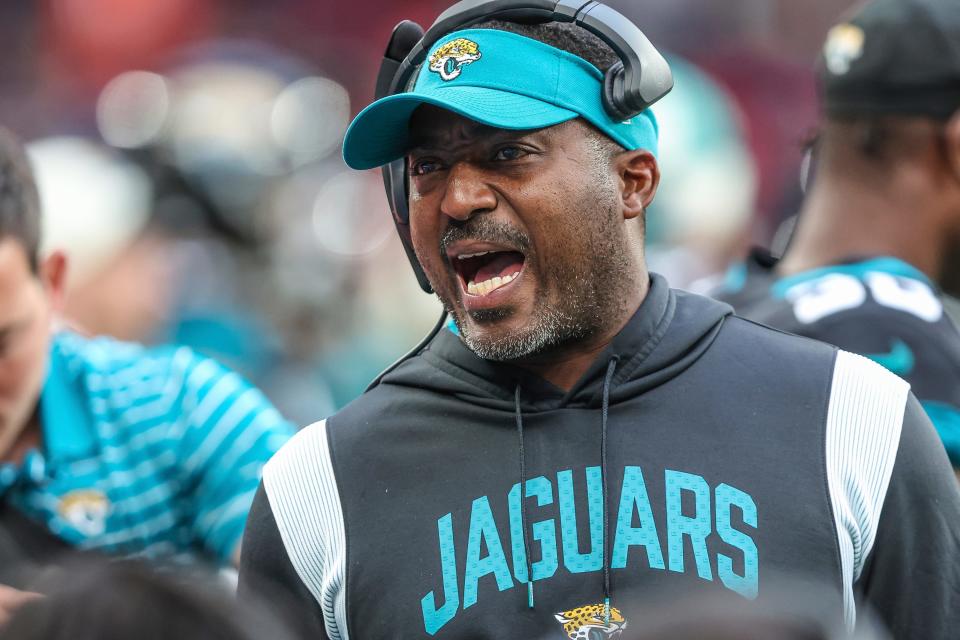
(423, 167)
(509, 153)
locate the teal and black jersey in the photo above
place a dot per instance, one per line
(881, 308)
(149, 452)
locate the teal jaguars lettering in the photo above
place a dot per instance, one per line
(635, 537)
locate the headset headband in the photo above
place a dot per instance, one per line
(640, 78)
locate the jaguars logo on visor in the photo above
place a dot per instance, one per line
(449, 59)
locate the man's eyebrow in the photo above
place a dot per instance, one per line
(432, 140)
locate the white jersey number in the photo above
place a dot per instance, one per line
(836, 292)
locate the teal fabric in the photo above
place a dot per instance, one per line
(735, 278)
(452, 327)
(899, 360)
(148, 452)
(512, 82)
(68, 423)
(946, 418)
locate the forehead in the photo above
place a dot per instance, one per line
(432, 126)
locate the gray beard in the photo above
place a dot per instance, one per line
(588, 298)
(552, 328)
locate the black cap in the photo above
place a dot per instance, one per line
(894, 57)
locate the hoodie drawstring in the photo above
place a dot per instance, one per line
(608, 379)
(523, 501)
(611, 368)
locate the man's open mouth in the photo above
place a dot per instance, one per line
(482, 272)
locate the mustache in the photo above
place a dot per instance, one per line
(483, 229)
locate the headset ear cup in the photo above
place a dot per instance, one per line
(395, 177)
(613, 95)
(403, 230)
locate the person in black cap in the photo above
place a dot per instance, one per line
(881, 224)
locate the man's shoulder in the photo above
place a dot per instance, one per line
(307, 443)
(882, 290)
(899, 339)
(111, 359)
(822, 317)
(140, 386)
(914, 341)
(111, 365)
(778, 348)
(757, 340)
(375, 410)
(857, 309)
(299, 479)
(99, 353)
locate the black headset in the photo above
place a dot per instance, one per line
(640, 78)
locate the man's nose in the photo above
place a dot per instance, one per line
(467, 192)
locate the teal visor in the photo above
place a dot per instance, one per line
(499, 79)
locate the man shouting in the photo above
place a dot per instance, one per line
(585, 433)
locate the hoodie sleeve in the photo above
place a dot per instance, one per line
(267, 577)
(895, 503)
(912, 578)
(294, 548)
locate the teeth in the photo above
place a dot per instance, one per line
(472, 255)
(487, 286)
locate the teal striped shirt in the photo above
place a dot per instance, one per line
(151, 452)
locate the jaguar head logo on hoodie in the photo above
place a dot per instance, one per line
(587, 623)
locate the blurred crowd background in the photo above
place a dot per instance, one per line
(188, 155)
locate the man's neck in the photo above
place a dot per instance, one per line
(564, 367)
(840, 221)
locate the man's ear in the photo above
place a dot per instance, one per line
(639, 179)
(53, 276)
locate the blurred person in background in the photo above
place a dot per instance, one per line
(125, 600)
(694, 233)
(582, 429)
(881, 223)
(106, 445)
(275, 253)
(98, 210)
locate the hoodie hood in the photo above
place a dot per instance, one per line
(648, 355)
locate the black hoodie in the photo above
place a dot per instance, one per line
(699, 449)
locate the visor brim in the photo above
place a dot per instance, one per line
(380, 133)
